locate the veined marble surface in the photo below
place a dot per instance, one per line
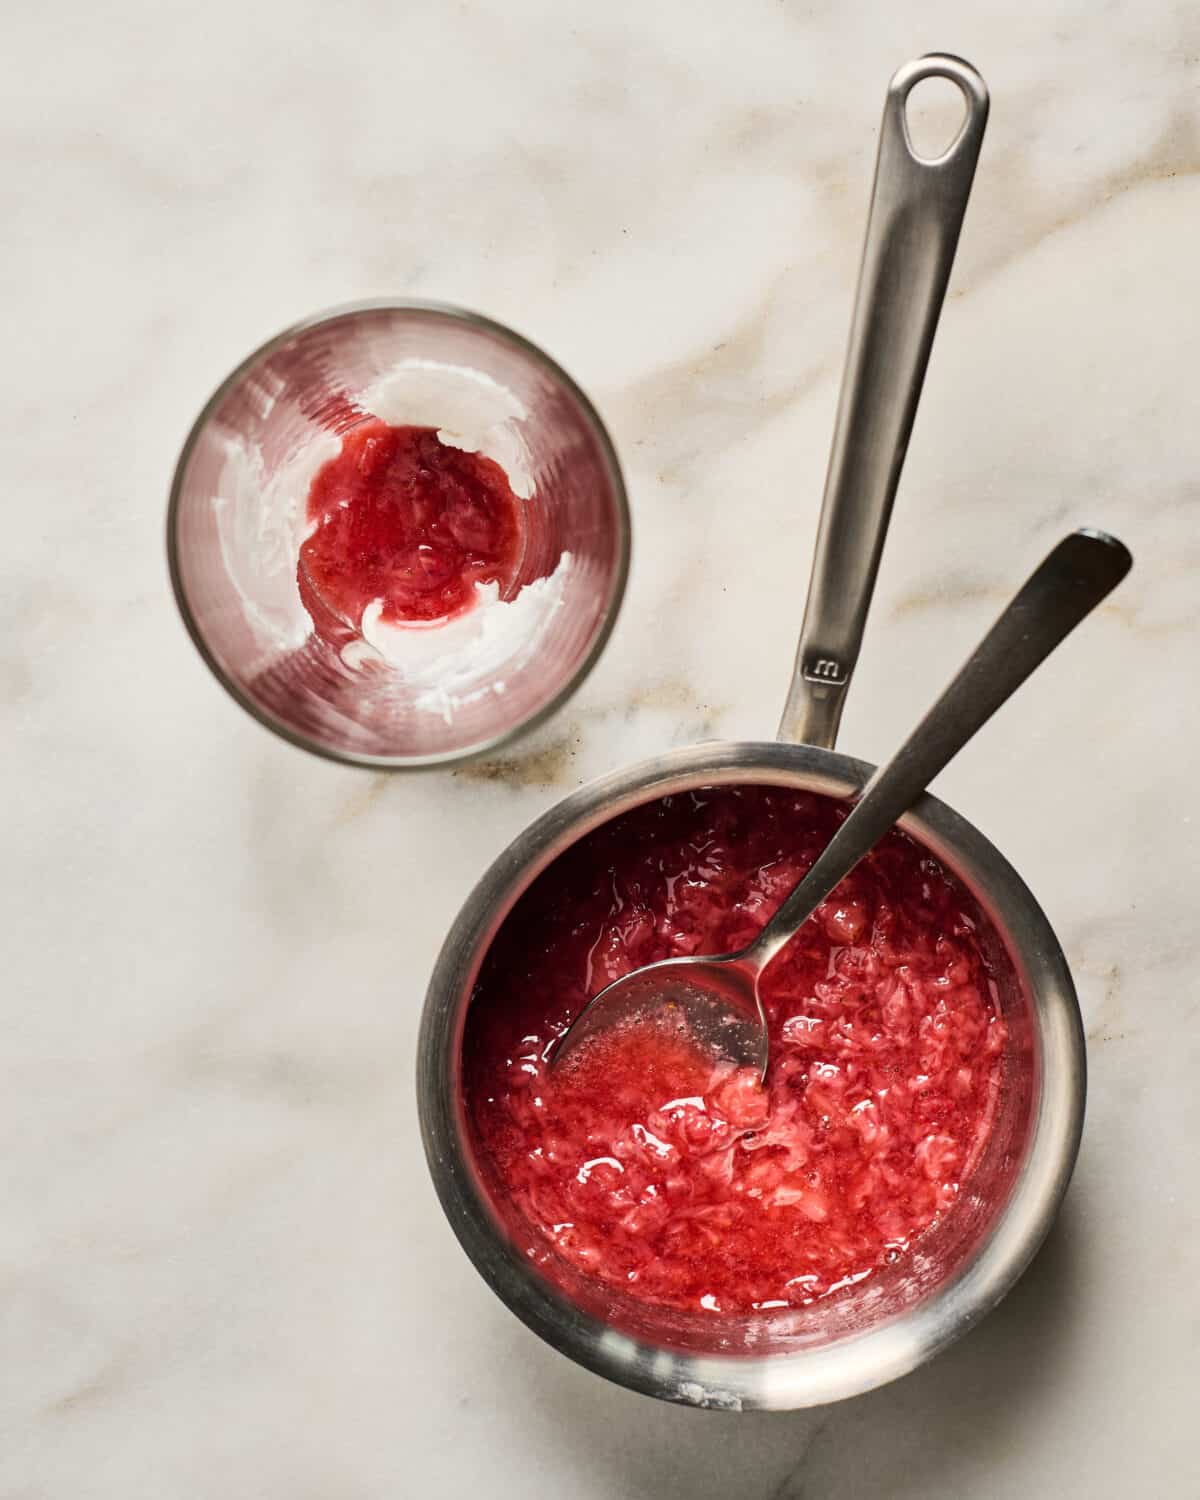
(222, 1268)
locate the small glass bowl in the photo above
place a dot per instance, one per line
(236, 521)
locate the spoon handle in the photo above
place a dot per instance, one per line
(917, 207)
(1068, 585)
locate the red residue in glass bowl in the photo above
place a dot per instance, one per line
(403, 517)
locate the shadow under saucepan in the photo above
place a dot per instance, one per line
(930, 1432)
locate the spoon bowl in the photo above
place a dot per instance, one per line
(714, 1000)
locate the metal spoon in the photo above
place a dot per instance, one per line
(717, 998)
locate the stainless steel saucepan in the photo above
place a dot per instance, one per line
(965, 1264)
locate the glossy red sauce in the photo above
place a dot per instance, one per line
(684, 1182)
(403, 517)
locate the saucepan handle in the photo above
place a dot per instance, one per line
(917, 207)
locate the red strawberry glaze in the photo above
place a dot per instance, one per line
(403, 517)
(684, 1182)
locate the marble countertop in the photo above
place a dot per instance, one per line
(222, 1268)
